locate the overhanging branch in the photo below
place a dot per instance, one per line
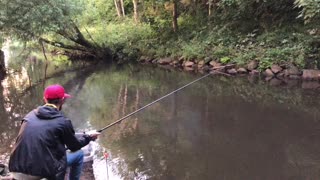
(62, 45)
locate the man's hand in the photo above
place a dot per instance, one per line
(93, 134)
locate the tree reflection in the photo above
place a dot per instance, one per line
(209, 131)
(217, 129)
(21, 92)
(13, 108)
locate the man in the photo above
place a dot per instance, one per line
(40, 149)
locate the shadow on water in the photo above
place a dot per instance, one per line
(218, 128)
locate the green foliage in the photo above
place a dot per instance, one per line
(192, 49)
(225, 60)
(310, 9)
(221, 51)
(237, 30)
(60, 60)
(29, 19)
(124, 36)
(229, 2)
(294, 54)
(97, 12)
(241, 58)
(265, 63)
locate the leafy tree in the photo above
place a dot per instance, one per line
(50, 21)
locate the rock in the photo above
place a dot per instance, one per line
(275, 82)
(280, 75)
(149, 60)
(206, 68)
(232, 71)
(310, 85)
(207, 60)
(268, 78)
(230, 66)
(252, 65)
(242, 71)
(221, 68)
(165, 61)
(276, 68)
(201, 64)
(188, 68)
(310, 74)
(291, 70)
(175, 63)
(215, 64)
(268, 73)
(154, 61)
(188, 64)
(254, 72)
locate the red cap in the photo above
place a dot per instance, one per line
(55, 91)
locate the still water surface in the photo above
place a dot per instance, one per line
(217, 129)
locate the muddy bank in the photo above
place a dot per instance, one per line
(277, 74)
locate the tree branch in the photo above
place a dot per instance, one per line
(62, 45)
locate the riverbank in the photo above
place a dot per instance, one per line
(288, 52)
(276, 75)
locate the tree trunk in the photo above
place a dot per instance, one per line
(81, 44)
(122, 8)
(175, 16)
(212, 5)
(46, 66)
(210, 8)
(135, 10)
(117, 5)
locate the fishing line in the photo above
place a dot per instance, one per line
(138, 110)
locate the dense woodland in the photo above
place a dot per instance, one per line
(238, 31)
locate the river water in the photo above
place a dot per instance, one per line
(220, 128)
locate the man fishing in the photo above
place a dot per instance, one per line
(40, 148)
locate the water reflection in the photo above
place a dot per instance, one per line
(220, 128)
(21, 91)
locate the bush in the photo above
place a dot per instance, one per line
(192, 50)
(123, 35)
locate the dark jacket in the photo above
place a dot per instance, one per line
(40, 149)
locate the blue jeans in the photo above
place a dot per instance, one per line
(75, 162)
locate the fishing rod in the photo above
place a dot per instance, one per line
(138, 110)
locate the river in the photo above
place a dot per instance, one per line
(231, 128)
